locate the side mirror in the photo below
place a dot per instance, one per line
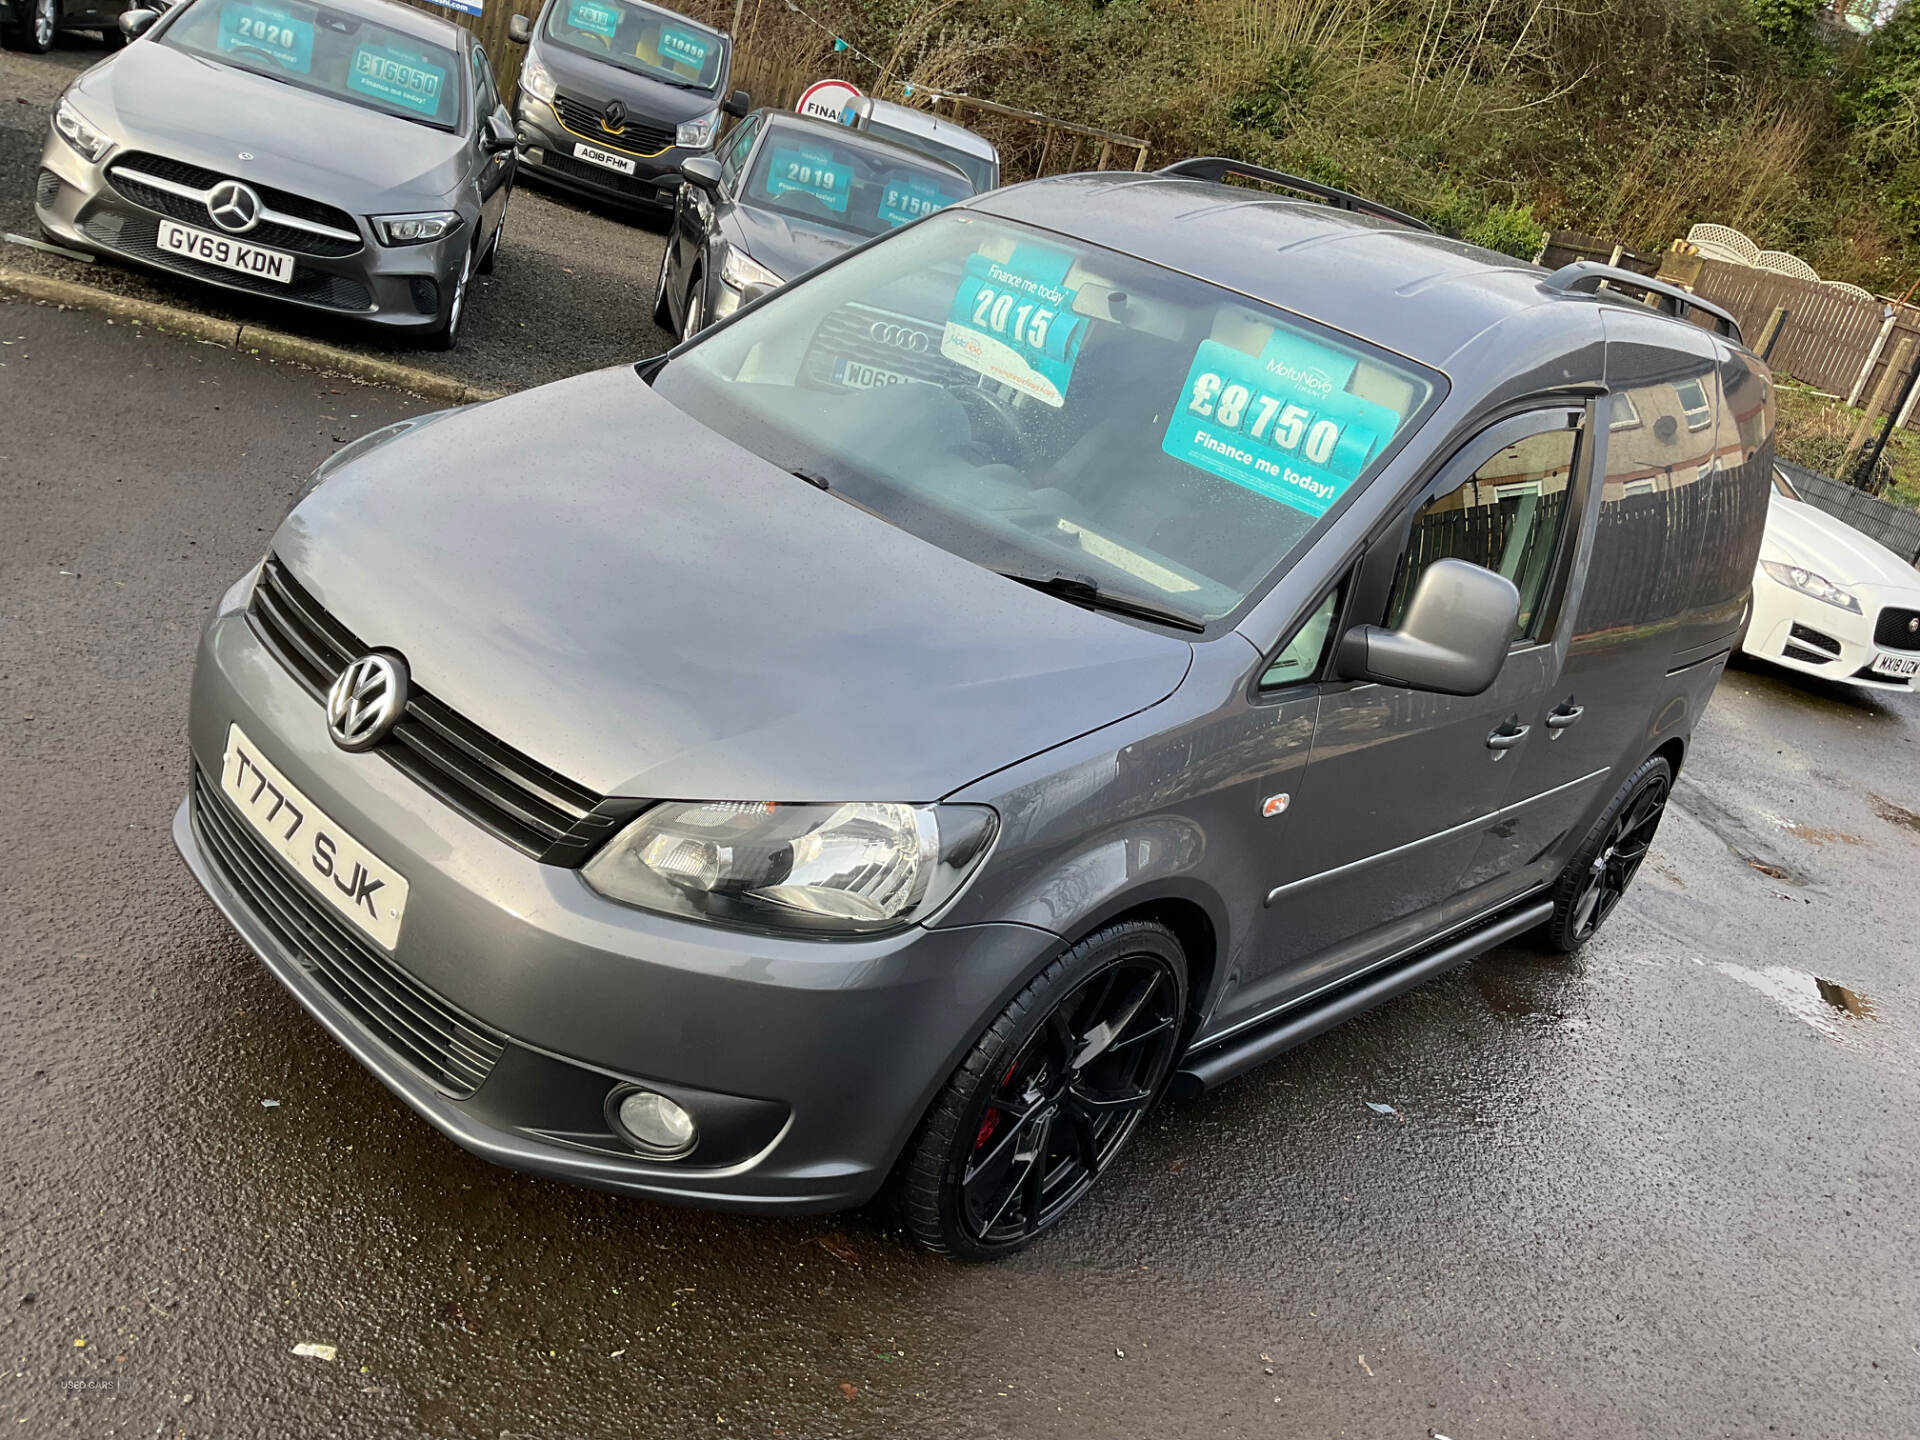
(520, 30)
(1454, 639)
(702, 171)
(497, 134)
(738, 104)
(135, 23)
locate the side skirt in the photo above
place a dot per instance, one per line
(1201, 1070)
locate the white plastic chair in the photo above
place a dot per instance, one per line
(1723, 242)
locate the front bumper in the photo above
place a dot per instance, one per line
(404, 287)
(1804, 634)
(811, 1062)
(546, 153)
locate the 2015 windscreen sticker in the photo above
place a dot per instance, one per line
(1013, 322)
(1281, 423)
(282, 37)
(812, 171)
(397, 77)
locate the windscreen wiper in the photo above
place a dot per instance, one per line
(1078, 590)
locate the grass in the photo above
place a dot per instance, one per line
(1812, 430)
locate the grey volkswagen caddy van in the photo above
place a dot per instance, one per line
(714, 782)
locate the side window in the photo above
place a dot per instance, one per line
(1507, 517)
(1301, 657)
(733, 157)
(485, 96)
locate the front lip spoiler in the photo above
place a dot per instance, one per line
(501, 1147)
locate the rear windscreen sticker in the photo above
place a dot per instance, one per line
(592, 18)
(1281, 423)
(266, 30)
(1013, 322)
(397, 77)
(808, 170)
(683, 47)
(904, 199)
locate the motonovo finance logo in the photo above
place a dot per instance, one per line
(1315, 382)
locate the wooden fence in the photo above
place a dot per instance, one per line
(1829, 334)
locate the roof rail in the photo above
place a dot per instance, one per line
(1585, 277)
(1217, 167)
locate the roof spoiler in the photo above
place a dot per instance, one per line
(1585, 277)
(1217, 167)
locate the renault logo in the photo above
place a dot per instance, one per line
(233, 206)
(901, 337)
(616, 120)
(366, 700)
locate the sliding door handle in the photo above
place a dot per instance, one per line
(1561, 718)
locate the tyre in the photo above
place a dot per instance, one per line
(662, 311)
(1048, 1097)
(696, 314)
(448, 335)
(35, 33)
(1604, 866)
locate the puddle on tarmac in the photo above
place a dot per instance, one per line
(1823, 1004)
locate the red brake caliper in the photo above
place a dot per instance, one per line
(990, 1122)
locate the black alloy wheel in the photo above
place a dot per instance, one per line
(662, 310)
(1594, 882)
(1049, 1097)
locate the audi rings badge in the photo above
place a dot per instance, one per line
(901, 337)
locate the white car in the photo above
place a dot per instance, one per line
(1829, 601)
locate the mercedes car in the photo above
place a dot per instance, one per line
(724, 781)
(786, 193)
(345, 157)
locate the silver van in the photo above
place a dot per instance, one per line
(973, 155)
(719, 781)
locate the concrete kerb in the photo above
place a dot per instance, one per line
(256, 339)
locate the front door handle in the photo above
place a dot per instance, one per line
(1506, 737)
(1561, 718)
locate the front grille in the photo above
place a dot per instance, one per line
(883, 339)
(46, 189)
(642, 137)
(600, 176)
(539, 812)
(1891, 631)
(454, 1053)
(1815, 639)
(136, 237)
(201, 178)
(192, 212)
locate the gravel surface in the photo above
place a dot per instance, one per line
(1664, 1189)
(573, 290)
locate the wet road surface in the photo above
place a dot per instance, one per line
(1664, 1189)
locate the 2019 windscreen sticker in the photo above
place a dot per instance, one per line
(809, 170)
(1013, 322)
(1281, 423)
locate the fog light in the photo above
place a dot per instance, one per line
(655, 1124)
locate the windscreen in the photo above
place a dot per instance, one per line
(976, 168)
(1048, 408)
(651, 42)
(808, 174)
(329, 52)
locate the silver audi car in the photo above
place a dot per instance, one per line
(350, 157)
(729, 780)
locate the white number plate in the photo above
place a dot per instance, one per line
(604, 157)
(226, 252)
(1896, 664)
(350, 877)
(857, 376)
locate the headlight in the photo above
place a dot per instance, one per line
(817, 869)
(78, 133)
(415, 229)
(739, 272)
(1808, 583)
(536, 80)
(698, 134)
